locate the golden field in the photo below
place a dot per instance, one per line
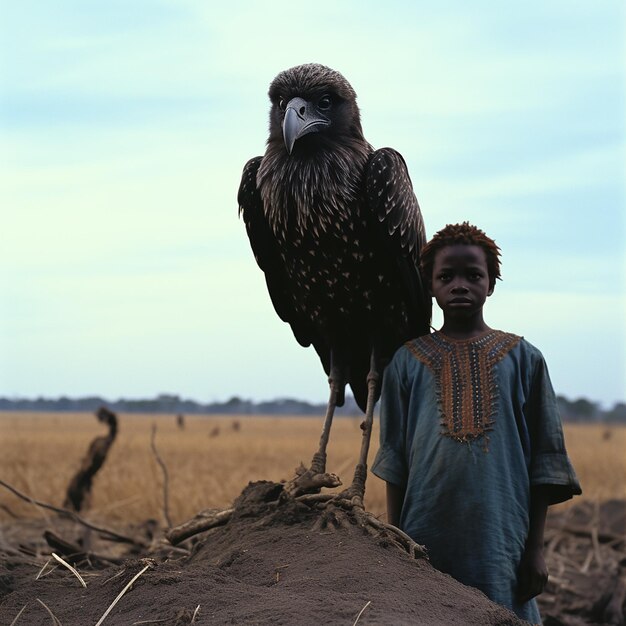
(40, 452)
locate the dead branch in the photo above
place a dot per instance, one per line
(202, 522)
(73, 516)
(166, 511)
(79, 489)
(73, 552)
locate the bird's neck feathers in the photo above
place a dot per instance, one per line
(314, 189)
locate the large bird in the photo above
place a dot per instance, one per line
(337, 230)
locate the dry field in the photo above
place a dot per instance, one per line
(39, 453)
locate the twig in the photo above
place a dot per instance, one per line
(121, 593)
(166, 508)
(195, 526)
(69, 567)
(55, 620)
(120, 573)
(8, 511)
(71, 515)
(193, 617)
(18, 615)
(361, 612)
(42, 569)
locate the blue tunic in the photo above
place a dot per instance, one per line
(467, 427)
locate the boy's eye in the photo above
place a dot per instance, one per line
(444, 277)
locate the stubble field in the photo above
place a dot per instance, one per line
(272, 562)
(211, 460)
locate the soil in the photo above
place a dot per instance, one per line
(267, 565)
(272, 564)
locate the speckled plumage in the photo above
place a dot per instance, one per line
(336, 228)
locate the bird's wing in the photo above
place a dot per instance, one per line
(389, 194)
(267, 254)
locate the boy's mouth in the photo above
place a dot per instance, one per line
(460, 301)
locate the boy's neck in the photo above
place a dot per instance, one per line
(464, 328)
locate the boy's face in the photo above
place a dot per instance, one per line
(460, 280)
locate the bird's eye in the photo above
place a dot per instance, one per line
(324, 103)
(282, 104)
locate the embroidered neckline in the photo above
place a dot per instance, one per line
(465, 379)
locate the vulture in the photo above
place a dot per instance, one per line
(336, 229)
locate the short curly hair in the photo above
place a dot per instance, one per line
(464, 233)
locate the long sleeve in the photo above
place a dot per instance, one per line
(390, 463)
(549, 463)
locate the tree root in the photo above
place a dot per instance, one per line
(335, 511)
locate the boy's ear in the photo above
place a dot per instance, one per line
(491, 290)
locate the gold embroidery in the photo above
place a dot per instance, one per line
(465, 379)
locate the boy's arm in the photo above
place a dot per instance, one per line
(533, 573)
(395, 500)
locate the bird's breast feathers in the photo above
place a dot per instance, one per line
(311, 195)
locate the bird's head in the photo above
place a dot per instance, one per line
(312, 106)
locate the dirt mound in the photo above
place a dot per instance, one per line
(268, 564)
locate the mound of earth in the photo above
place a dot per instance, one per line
(267, 565)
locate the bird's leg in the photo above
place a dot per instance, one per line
(345, 510)
(337, 384)
(356, 492)
(313, 479)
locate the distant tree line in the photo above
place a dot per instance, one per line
(583, 410)
(166, 403)
(580, 410)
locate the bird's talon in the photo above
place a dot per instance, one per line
(308, 481)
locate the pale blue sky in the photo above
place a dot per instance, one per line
(124, 127)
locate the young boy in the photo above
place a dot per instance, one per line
(471, 443)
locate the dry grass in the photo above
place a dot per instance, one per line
(39, 453)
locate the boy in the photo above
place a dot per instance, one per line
(471, 441)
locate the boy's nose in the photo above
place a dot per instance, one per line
(459, 289)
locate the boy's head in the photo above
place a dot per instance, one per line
(467, 234)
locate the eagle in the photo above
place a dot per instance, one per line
(337, 230)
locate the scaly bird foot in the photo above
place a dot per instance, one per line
(310, 481)
(339, 512)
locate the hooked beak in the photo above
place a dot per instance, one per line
(301, 118)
